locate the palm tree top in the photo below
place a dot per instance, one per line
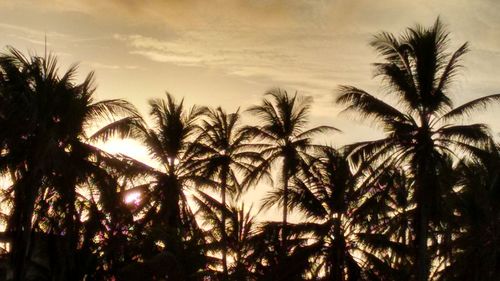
(221, 130)
(173, 128)
(284, 116)
(418, 72)
(418, 68)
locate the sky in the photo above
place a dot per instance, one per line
(229, 52)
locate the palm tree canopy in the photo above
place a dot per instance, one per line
(283, 133)
(418, 72)
(224, 150)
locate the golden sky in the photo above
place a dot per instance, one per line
(229, 52)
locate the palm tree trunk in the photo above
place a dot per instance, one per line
(423, 184)
(337, 270)
(71, 232)
(172, 213)
(224, 234)
(284, 233)
(421, 235)
(24, 198)
(20, 244)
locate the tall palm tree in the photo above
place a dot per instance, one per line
(168, 217)
(224, 156)
(103, 221)
(418, 72)
(46, 122)
(323, 195)
(283, 138)
(16, 125)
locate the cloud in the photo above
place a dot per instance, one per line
(30, 31)
(290, 58)
(312, 45)
(308, 45)
(103, 66)
(198, 13)
(100, 65)
(47, 37)
(34, 36)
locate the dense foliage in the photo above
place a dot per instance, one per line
(421, 203)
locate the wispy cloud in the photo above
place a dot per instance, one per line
(30, 31)
(31, 35)
(98, 65)
(291, 60)
(308, 45)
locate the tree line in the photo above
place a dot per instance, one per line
(420, 203)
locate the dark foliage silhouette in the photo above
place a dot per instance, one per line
(421, 203)
(421, 130)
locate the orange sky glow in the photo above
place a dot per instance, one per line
(229, 52)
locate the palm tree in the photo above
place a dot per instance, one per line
(167, 217)
(324, 194)
(418, 72)
(224, 156)
(380, 209)
(16, 125)
(343, 223)
(474, 250)
(46, 122)
(238, 231)
(283, 139)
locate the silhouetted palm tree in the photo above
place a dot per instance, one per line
(418, 72)
(239, 231)
(225, 156)
(476, 233)
(283, 138)
(323, 195)
(345, 218)
(45, 125)
(168, 217)
(421, 203)
(380, 210)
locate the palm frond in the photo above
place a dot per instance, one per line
(467, 108)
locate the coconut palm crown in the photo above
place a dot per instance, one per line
(283, 138)
(418, 71)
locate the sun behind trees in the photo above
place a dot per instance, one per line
(422, 203)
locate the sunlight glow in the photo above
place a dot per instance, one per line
(133, 198)
(175, 160)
